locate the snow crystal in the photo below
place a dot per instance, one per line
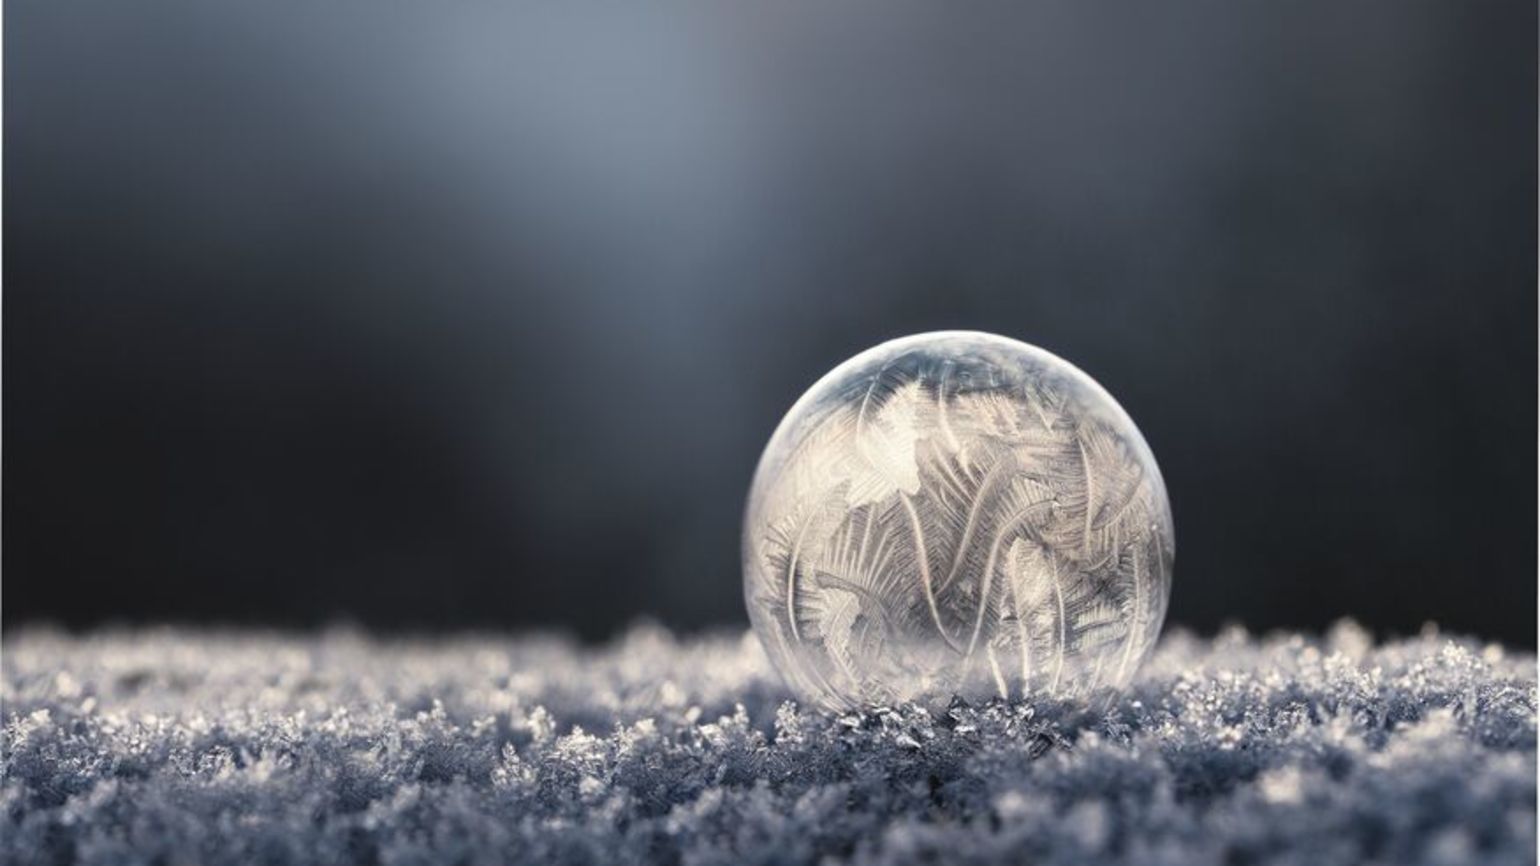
(175, 746)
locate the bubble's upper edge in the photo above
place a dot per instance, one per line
(896, 346)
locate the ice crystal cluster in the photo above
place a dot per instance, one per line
(956, 513)
(180, 747)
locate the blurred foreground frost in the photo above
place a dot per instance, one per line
(210, 747)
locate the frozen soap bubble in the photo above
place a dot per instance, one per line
(956, 513)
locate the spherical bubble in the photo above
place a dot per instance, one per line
(956, 513)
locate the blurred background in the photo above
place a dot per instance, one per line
(451, 315)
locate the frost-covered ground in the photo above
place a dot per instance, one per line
(204, 747)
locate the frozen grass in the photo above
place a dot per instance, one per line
(209, 747)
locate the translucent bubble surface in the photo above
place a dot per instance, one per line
(956, 513)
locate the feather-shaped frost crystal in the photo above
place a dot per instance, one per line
(956, 514)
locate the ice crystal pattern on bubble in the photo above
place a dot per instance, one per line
(956, 513)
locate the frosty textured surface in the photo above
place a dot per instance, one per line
(956, 514)
(124, 748)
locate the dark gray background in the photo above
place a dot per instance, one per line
(450, 315)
